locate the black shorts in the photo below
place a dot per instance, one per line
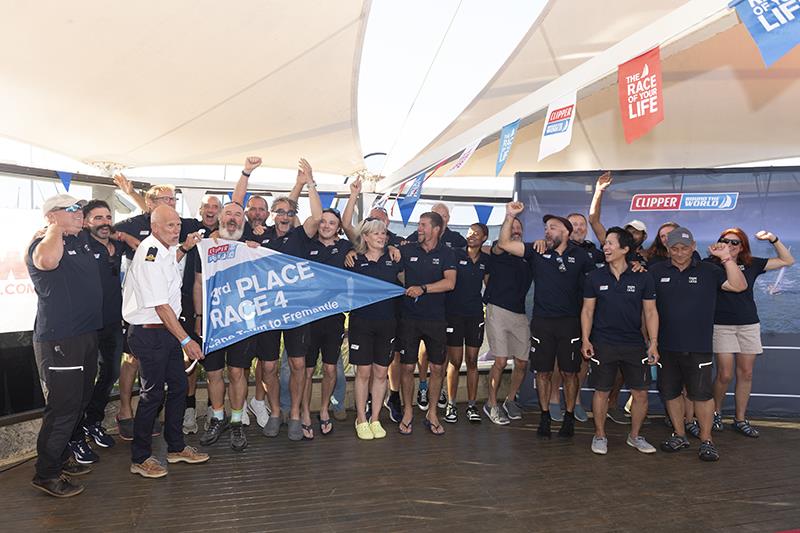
(609, 358)
(465, 331)
(267, 345)
(237, 355)
(371, 341)
(685, 369)
(326, 336)
(431, 332)
(556, 338)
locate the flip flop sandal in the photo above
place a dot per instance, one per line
(408, 427)
(431, 427)
(324, 424)
(307, 427)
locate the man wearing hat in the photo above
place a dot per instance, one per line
(69, 313)
(558, 277)
(686, 295)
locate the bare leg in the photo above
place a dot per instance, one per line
(723, 379)
(613, 398)
(361, 387)
(495, 375)
(216, 389)
(638, 411)
(570, 380)
(555, 392)
(517, 377)
(599, 411)
(407, 385)
(676, 412)
(328, 384)
(704, 411)
(237, 389)
(378, 387)
(581, 380)
(261, 387)
(455, 356)
(435, 387)
(744, 382)
(270, 379)
(297, 379)
(471, 355)
(305, 403)
(543, 389)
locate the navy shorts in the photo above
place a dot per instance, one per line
(465, 331)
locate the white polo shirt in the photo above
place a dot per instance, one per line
(153, 278)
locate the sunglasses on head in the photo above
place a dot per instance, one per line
(735, 242)
(282, 212)
(69, 209)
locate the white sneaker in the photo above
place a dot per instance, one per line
(245, 416)
(189, 421)
(259, 410)
(599, 445)
(640, 444)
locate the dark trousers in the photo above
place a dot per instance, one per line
(160, 361)
(109, 347)
(67, 369)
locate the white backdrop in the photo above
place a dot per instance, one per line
(17, 297)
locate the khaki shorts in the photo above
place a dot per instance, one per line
(737, 339)
(507, 333)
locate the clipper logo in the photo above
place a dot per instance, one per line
(685, 201)
(221, 253)
(558, 121)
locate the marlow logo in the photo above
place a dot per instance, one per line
(685, 201)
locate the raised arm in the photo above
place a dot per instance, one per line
(349, 209)
(305, 174)
(602, 184)
(48, 253)
(127, 187)
(240, 191)
(504, 242)
(784, 258)
(735, 281)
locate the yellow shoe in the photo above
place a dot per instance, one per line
(363, 431)
(377, 430)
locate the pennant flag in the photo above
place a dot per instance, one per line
(411, 198)
(246, 198)
(557, 131)
(641, 94)
(380, 201)
(326, 199)
(484, 212)
(463, 158)
(405, 212)
(250, 290)
(504, 146)
(774, 26)
(66, 178)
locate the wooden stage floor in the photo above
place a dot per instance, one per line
(475, 478)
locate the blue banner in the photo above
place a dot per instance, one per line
(66, 178)
(504, 145)
(407, 203)
(326, 199)
(484, 212)
(774, 25)
(251, 290)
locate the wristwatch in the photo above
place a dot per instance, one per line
(424, 289)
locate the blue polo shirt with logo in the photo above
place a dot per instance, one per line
(558, 280)
(618, 309)
(739, 308)
(450, 238)
(332, 255)
(509, 281)
(109, 269)
(383, 269)
(295, 242)
(467, 298)
(424, 268)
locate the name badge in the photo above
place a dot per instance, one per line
(364, 265)
(692, 279)
(413, 259)
(483, 267)
(72, 252)
(570, 259)
(664, 280)
(546, 256)
(449, 330)
(388, 263)
(462, 262)
(354, 346)
(334, 251)
(435, 260)
(631, 288)
(144, 232)
(603, 287)
(314, 252)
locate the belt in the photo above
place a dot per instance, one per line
(152, 326)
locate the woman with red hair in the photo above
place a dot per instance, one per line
(737, 332)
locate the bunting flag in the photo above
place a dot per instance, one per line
(557, 131)
(464, 157)
(66, 178)
(326, 199)
(774, 26)
(411, 198)
(504, 146)
(641, 95)
(484, 212)
(246, 198)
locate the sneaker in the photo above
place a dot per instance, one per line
(544, 425)
(209, 416)
(259, 410)
(238, 438)
(618, 416)
(473, 415)
(189, 421)
(674, 443)
(422, 399)
(580, 413)
(744, 427)
(156, 427)
(394, 408)
(496, 415)
(442, 403)
(708, 452)
(189, 455)
(717, 426)
(640, 444)
(512, 409)
(150, 468)
(567, 429)
(245, 416)
(556, 414)
(82, 452)
(216, 428)
(125, 428)
(98, 434)
(273, 426)
(693, 429)
(73, 468)
(451, 413)
(599, 445)
(60, 487)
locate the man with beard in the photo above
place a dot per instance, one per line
(558, 276)
(107, 248)
(237, 356)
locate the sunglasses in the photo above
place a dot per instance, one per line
(735, 242)
(69, 209)
(282, 212)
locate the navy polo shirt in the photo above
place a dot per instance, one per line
(618, 309)
(332, 255)
(138, 227)
(466, 299)
(393, 239)
(384, 269)
(70, 297)
(509, 281)
(450, 238)
(686, 302)
(248, 234)
(295, 242)
(109, 267)
(424, 268)
(597, 255)
(739, 308)
(558, 280)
